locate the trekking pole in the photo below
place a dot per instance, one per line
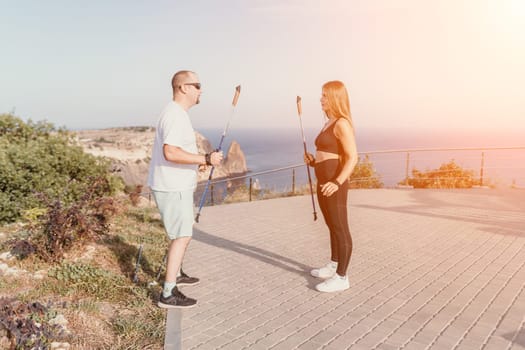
(234, 104)
(164, 260)
(137, 265)
(300, 112)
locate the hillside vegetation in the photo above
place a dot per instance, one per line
(38, 161)
(69, 240)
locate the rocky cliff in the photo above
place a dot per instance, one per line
(130, 150)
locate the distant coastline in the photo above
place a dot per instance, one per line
(271, 148)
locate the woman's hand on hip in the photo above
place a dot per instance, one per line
(329, 188)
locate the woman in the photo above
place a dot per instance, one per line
(335, 159)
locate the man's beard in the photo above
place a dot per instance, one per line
(198, 100)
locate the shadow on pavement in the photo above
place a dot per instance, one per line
(263, 255)
(516, 337)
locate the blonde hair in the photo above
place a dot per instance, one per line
(337, 100)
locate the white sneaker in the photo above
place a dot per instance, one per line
(334, 284)
(325, 271)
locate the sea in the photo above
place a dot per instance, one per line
(496, 156)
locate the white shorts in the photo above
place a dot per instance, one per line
(176, 211)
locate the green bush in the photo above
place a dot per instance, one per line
(37, 158)
(364, 175)
(448, 175)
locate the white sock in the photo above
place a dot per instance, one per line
(333, 264)
(168, 287)
(341, 277)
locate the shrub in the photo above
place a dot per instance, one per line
(448, 175)
(238, 194)
(364, 175)
(28, 324)
(37, 158)
(134, 193)
(63, 226)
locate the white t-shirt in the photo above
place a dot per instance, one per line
(173, 128)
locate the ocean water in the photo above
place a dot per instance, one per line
(267, 149)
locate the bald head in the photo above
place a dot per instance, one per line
(186, 88)
(180, 78)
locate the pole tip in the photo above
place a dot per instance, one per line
(299, 108)
(236, 96)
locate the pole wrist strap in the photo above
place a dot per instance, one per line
(207, 158)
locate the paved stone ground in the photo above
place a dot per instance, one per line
(431, 269)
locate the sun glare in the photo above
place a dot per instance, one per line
(513, 12)
(517, 6)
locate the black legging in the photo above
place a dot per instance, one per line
(335, 214)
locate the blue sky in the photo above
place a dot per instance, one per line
(408, 64)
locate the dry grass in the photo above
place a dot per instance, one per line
(104, 308)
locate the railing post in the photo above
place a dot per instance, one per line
(293, 181)
(250, 190)
(481, 169)
(211, 194)
(406, 168)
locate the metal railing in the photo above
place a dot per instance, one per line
(493, 166)
(464, 149)
(247, 186)
(394, 170)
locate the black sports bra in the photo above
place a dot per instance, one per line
(326, 141)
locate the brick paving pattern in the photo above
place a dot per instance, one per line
(431, 269)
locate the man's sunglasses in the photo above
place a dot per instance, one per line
(195, 85)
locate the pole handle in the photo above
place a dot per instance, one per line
(236, 96)
(299, 108)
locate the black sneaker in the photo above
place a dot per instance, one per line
(176, 300)
(185, 280)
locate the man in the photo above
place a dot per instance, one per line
(173, 178)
